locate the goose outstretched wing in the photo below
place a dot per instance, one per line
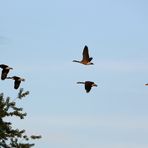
(4, 74)
(85, 54)
(88, 86)
(17, 84)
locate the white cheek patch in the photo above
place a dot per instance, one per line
(8, 68)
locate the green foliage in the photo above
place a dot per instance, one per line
(9, 137)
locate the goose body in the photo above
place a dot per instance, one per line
(86, 60)
(88, 85)
(5, 71)
(17, 81)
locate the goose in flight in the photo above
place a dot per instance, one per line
(88, 85)
(17, 81)
(5, 71)
(86, 60)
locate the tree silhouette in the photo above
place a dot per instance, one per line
(10, 137)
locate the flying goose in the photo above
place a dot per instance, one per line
(88, 85)
(86, 60)
(17, 81)
(5, 71)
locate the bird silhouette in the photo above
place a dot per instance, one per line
(17, 81)
(88, 85)
(86, 60)
(5, 71)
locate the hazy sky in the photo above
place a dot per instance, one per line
(40, 38)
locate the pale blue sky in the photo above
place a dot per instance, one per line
(40, 38)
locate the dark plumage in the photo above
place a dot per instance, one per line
(5, 71)
(17, 81)
(88, 85)
(86, 60)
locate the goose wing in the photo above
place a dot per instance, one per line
(17, 84)
(3, 66)
(4, 74)
(87, 87)
(85, 54)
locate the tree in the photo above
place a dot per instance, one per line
(9, 137)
